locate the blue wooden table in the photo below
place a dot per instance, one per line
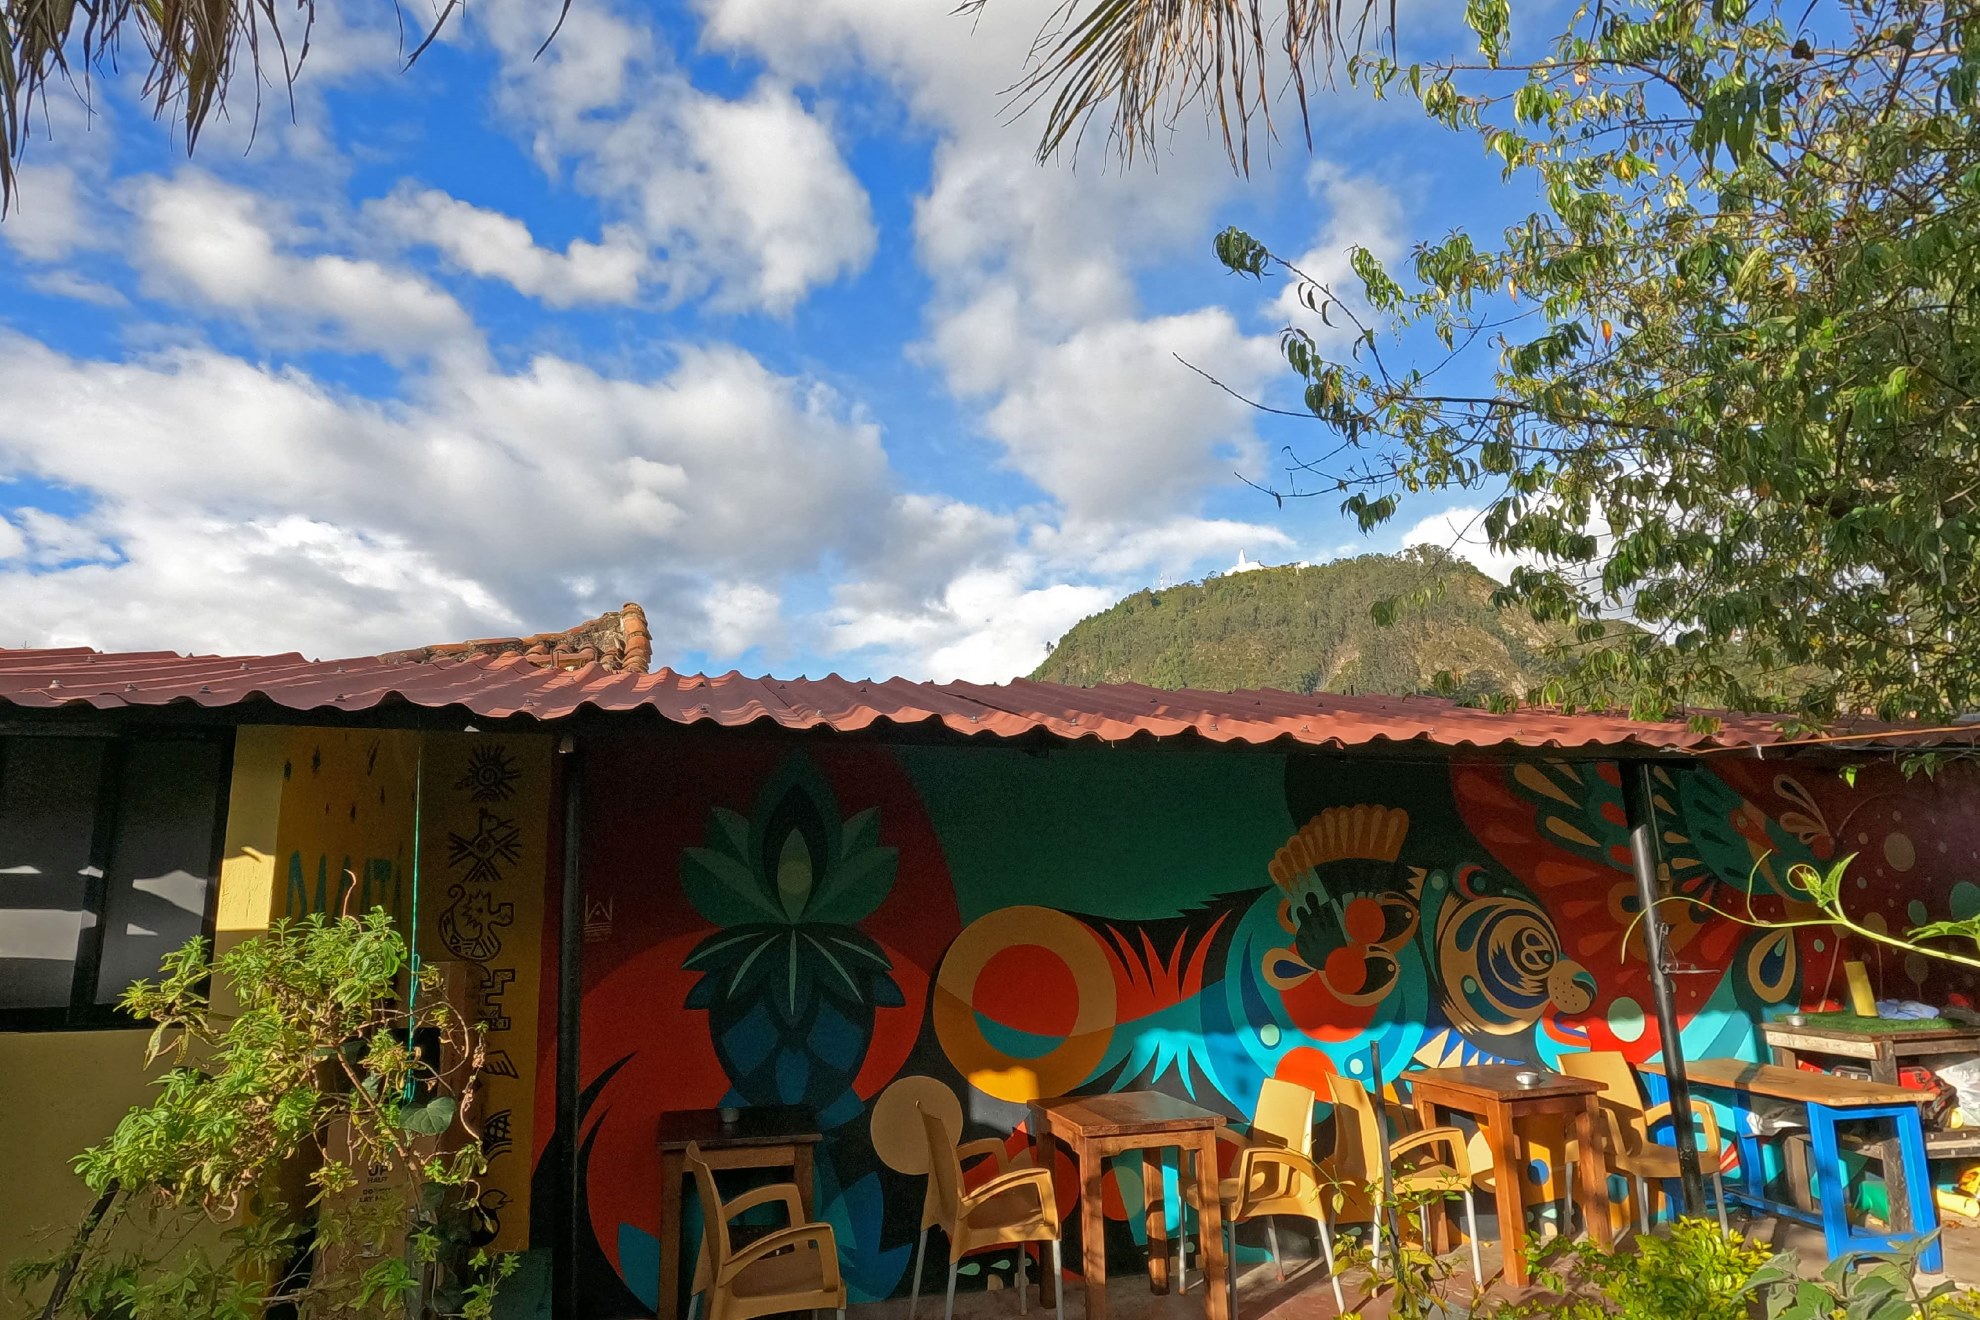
(1829, 1100)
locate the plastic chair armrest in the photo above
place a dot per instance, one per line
(817, 1235)
(1437, 1136)
(1703, 1115)
(785, 1194)
(1039, 1180)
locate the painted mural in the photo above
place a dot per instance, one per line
(861, 929)
(447, 832)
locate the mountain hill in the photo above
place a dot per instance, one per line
(1310, 629)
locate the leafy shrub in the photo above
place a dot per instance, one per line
(316, 1076)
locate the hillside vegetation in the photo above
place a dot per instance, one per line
(1310, 629)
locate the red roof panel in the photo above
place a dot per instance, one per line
(512, 685)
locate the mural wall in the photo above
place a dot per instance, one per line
(863, 928)
(357, 808)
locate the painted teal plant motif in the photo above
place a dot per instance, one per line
(789, 982)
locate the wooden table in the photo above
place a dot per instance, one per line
(1489, 1093)
(1881, 1049)
(1098, 1126)
(762, 1137)
(1831, 1100)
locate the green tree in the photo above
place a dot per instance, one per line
(314, 1074)
(1727, 369)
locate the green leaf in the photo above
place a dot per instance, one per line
(429, 1119)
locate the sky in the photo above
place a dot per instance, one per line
(761, 313)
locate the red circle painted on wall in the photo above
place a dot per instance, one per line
(1028, 988)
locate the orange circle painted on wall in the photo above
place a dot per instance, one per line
(1008, 1035)
(1308, 1067)
(1364, 921)
(1347, 970)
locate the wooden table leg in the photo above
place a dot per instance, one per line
(1593, 1174)
(1042, 1158)
(1897, 1187)
(1884, 1065)
(1155, 1213)
(1506, 1182)
(1437, 1218)
(1210, 1229)
(1093, 1228)
(673, 1168)
(802, 1176)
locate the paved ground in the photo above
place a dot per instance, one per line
(1305, 1294)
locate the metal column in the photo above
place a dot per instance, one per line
(1642, 819)
(570, 988)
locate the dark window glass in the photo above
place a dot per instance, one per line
(107, 863)
(48, 807)
(161, 859)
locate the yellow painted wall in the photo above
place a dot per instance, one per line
(351, 804)
(59, 1093)
(482, 860)
(324, 819)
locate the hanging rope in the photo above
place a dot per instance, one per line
(412, 935)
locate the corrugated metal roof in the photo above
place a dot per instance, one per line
(512, 685)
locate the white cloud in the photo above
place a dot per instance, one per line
(216, 243)
(48, 220)
(742, 616)
(989, 624)
(1361, 212)
(746, 201)
(69, 284)
(1115, 428)
(496, 246)
(234, 504)
(1461, 531)
(12, 543)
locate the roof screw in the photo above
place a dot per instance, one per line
(54, 682)
(205, 689)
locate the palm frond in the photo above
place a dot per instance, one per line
(1153, 60)
(193, 51)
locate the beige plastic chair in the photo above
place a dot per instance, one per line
(795, 1268)
(1631, 1151)
(1356, 1162)
(1016, 1207)
(1275, 1175)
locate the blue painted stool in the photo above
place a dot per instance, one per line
(1829, 1101)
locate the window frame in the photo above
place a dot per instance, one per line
(82, 1012)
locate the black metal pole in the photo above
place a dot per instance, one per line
(570, 990)
(1642, 818)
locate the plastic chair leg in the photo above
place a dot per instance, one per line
(914, 1290)
(1333, 1267)
(949, 1310)
(1272, 1244)
(1058, 1278)
(1471, 1231)
(1230, 1267)
(1024, 1284)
